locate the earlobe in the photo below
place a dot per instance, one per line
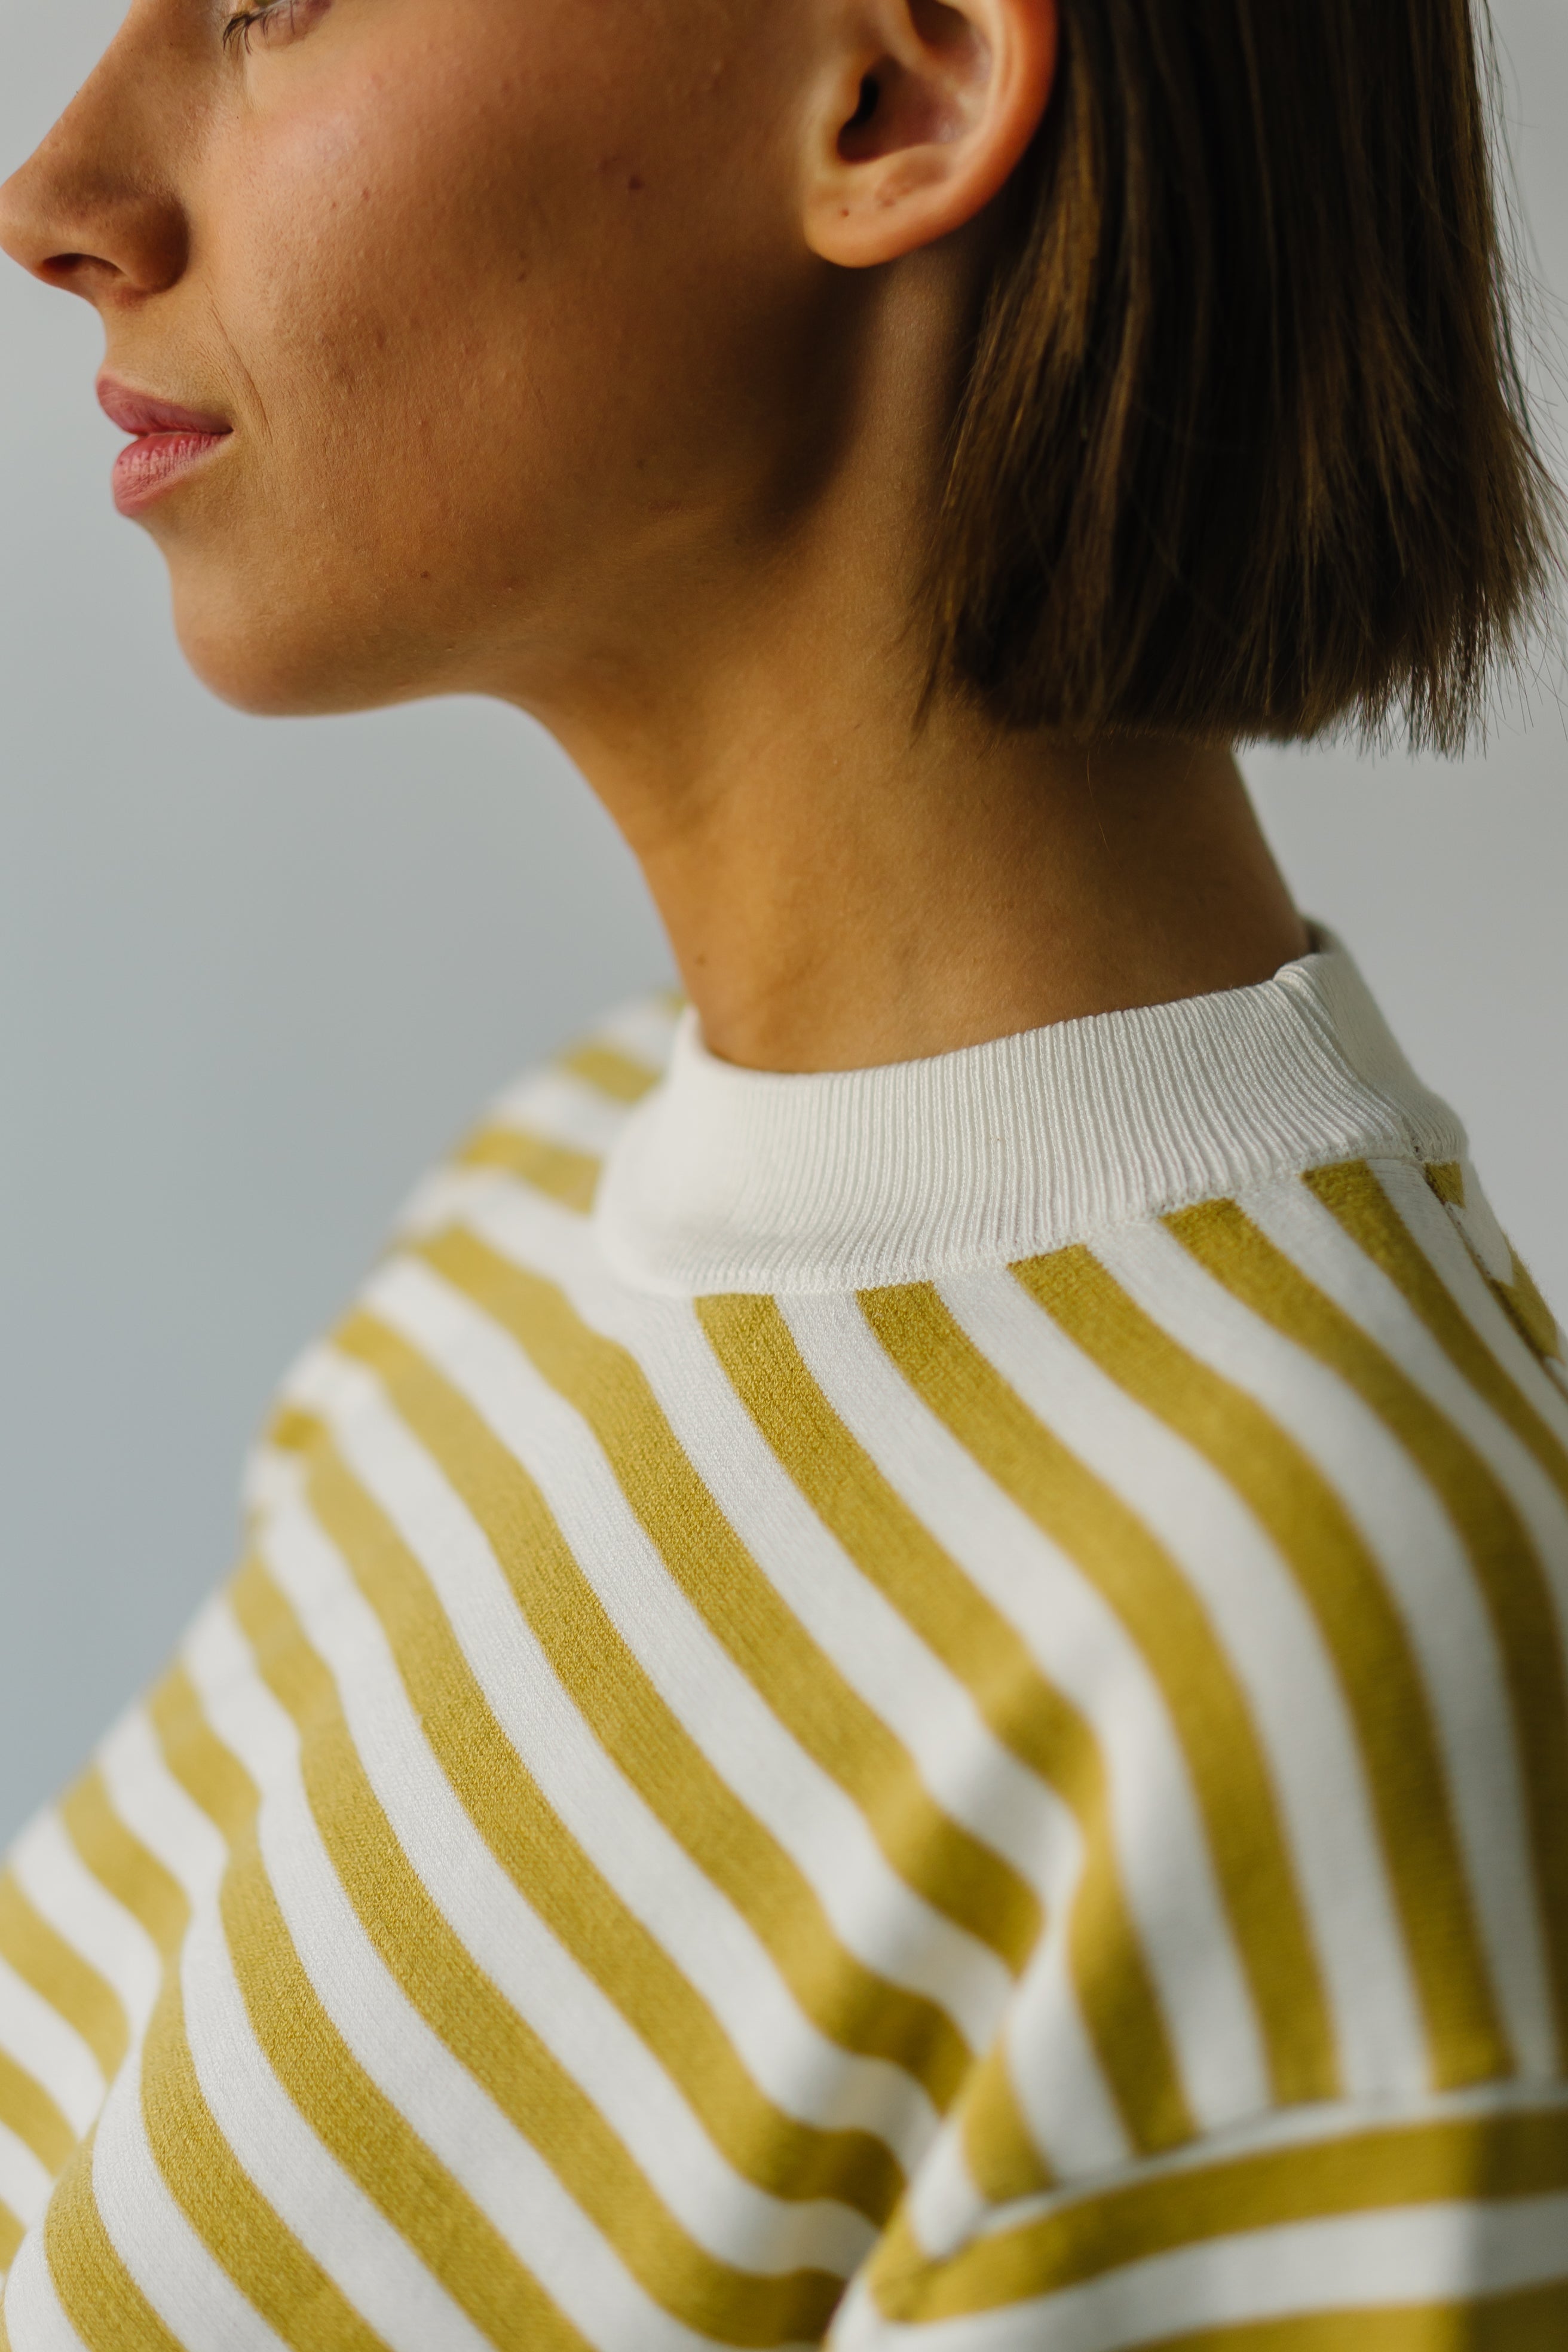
(925, 113)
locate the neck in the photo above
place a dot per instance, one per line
(843, 887)
(837, 899)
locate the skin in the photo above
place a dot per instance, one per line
(598, 354)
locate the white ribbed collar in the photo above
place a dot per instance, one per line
(732, 1180)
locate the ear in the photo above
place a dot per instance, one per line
(923, 111)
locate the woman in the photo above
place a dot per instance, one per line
(902, 1680)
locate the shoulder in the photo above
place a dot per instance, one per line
(1364, 1320)
(1294, 1465)
(551, 1127)
(1274, 1489)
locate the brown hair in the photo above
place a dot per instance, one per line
(1242, 448)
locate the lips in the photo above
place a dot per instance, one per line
(167, 441)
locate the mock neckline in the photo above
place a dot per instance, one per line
(726, 1179)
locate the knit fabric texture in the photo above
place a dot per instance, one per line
(919, 1707)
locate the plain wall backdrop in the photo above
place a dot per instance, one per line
(254, 974)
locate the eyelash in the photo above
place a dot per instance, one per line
(239, 25)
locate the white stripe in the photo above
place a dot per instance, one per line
(1054, 2069)
(432, 1206)
(548, 1104)
(1059, 2080)
(970, 1774)
(299, 2179)
(1057, 2083)
(707, 1939)
(1537, 1494)
(52, 2051)
(1078, 1643)
(1305, 1231)
(643, 1028)
(1081, 1648)
(1071, 2109)
(512, 1945)
(1438, 1238)
(560, 1108)
(1475, 1221)
(544, 1236)
(458, 2120)
(1308, 1234)
(268, 1482)
(152, 1805)
(1315, 2124)
(24, 2183)
(1272, 1642)
(309, 2190)
(190, 2293)
(76, 1904)
(1410, 2254)
(809, 1815)
(34, 2319)
(944, 2206)
(1423, 1566)
(1172, 1884)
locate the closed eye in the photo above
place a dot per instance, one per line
(271, 20)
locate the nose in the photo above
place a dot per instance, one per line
(95, 209)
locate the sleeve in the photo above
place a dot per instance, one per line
(1323, 2228)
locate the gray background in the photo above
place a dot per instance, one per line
(254, 974)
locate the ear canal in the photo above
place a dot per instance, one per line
(866, 107)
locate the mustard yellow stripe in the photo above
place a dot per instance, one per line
(1446, 1178)
(290, 1428)
(943, 1861)
(608, 1070)
(350, 2114)
(123, 1866)
(1352, 1194)
(1395, 1727)
(849, 2002)
(11, 2233)
(59, 1974)
(999, 2152)
(1523, 1301)
(98, 2293)
(1500, 2155)
(1138, 1579)
(28, 2110)
(1533, 2319)
(774, 2150)
(975, 1640)
(223, 2204)
(499, 2048)
(1343, 1585)
(568, 1176)
(1519, 1297)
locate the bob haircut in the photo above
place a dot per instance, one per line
(1242, 448)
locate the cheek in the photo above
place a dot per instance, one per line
(330, 254)
(484, 334)
(425, 294)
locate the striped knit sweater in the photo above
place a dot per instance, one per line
(912, 1708)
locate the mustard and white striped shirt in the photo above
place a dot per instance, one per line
(914, 1708)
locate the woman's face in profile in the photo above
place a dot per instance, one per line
(499, 309)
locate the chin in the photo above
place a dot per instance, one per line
(291, 662)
